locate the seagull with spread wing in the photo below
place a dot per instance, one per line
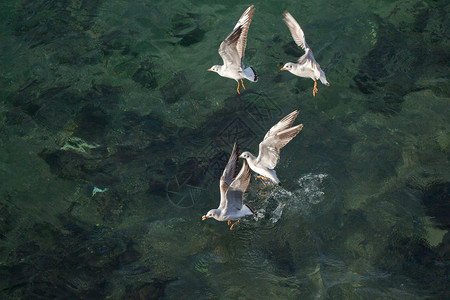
(232, 188)
(232, 52)
(306, 66)
(269, 149)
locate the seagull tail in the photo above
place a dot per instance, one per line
(250, 74)
(248, 209)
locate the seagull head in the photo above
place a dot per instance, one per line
(245, 155)
(287, 67)
(215, 68)
(213, 213)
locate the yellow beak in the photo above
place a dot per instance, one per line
(282, 69)
(209, 70)
(204, 218)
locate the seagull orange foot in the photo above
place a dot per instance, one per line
(315, 90)
(231, 228)
(242, 82)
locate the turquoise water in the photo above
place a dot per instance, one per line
(115, 94)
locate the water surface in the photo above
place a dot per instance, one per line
(115, 94)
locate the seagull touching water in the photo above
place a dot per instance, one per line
(232, 52)
(269, 149)
(232, 189)
(306, 66)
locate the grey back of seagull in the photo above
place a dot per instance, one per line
(237, 189)
(229, 174)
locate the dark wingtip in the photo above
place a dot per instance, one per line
(255, 79)
(234, 36)
(237, 157)
(279, 183)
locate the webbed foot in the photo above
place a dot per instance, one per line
(315, 90)
(231, 228)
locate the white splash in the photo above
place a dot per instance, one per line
(311, 187)
(259, 214)
(277, 212)
(309, 193)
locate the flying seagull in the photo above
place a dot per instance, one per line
(269, 149)
(232, 52)
(232, 189)
(306, 66)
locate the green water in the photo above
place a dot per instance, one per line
(115, 94)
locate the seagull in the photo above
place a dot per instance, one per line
(269, 149)
(232, 189)
(306, 66)
(232, 52)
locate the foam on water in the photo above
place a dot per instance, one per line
(311, 191)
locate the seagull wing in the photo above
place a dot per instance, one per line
(244, 22)
(269, 149)
(237, 189)
(232, 49)
(283, 124)
(296, 30)
(229, 174)
(228, 50)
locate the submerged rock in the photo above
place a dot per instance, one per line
(280, 254)
(186, 27)
(149, 290)
(73, 261)
(176, 88)
(145, 76)
(436, 201)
